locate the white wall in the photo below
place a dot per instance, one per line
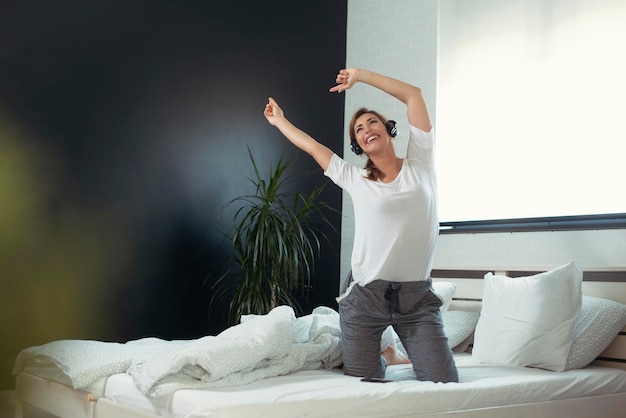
(399, 38)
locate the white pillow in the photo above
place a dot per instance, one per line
(598, 324)
(445, 292)
(459, 326)
(529, 321)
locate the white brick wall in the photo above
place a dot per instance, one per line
(603, 249)
(399, 38)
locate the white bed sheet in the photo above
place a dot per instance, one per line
(324, 393)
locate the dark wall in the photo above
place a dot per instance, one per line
(123, 129)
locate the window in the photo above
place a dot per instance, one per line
(531, 120)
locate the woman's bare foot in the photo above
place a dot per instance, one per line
(392, 357)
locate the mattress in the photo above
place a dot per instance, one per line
(325, 393)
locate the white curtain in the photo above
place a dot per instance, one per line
(531, 108)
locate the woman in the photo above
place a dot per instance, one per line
(396, 229)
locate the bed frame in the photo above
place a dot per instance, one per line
(36, 396)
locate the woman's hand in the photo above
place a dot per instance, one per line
(345, 79)
(274, 115)
(273, 112)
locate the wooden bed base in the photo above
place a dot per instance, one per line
(38, 395)
(34, 394)
(605, 406)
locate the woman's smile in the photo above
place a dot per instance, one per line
(371, 138)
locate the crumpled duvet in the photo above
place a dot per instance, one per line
(260, 346)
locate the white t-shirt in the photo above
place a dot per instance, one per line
(396, 224)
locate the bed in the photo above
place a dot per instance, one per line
(486, 389)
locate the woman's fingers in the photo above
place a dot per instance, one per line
(342, 80)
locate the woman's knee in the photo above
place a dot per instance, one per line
(365, 367)
(441, 373)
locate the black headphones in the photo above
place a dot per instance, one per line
(392, 130)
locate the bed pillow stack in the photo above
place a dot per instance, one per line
(529, 321)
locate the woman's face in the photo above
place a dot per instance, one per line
(370, 132)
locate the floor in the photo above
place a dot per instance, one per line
(7, 404)
(7, 407)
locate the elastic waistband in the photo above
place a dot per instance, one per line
(408, 286)
(349, 283)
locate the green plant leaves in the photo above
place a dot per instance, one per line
(274, 242)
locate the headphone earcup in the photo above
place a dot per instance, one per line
(392, 128)
(355, 147)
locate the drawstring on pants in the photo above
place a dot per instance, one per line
(391, 296)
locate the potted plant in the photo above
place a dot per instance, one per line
(274, 243)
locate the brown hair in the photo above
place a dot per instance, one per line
(372, 172)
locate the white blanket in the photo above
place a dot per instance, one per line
(261, 346)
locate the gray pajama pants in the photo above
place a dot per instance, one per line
(412, 309)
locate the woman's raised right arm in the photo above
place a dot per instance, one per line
(275, 116)
(408, 94)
